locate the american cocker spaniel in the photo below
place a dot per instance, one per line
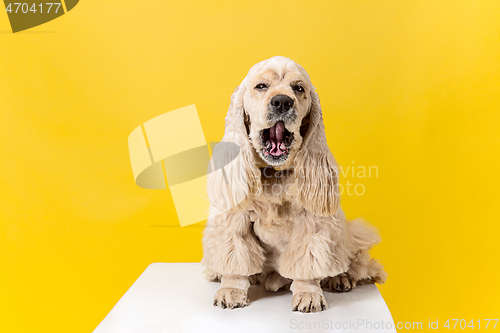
(275, 217)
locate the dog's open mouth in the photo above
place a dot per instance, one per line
(276, 141)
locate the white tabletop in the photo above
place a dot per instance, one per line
(177, 298)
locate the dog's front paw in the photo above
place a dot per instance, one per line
(230, 298)
(309, 302)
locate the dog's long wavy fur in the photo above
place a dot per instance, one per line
(297, 232)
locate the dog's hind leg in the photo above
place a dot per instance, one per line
(362, 270)
(340, 283)
(366, 270)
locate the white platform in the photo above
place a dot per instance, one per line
(177, 298)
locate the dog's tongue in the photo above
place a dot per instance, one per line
(276, 136)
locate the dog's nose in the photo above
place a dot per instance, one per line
(281, 103)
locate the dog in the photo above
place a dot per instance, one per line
(274, 213)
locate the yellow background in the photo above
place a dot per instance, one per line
(412, 87)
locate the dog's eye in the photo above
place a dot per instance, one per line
(261, 86)
(298, 88)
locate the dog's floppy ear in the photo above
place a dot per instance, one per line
(236, 177)
(316, 172)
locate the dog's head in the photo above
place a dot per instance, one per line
(275, 119)
(276, 103)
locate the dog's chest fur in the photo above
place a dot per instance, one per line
(273, 212)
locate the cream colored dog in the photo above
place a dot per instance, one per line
(274, 211)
